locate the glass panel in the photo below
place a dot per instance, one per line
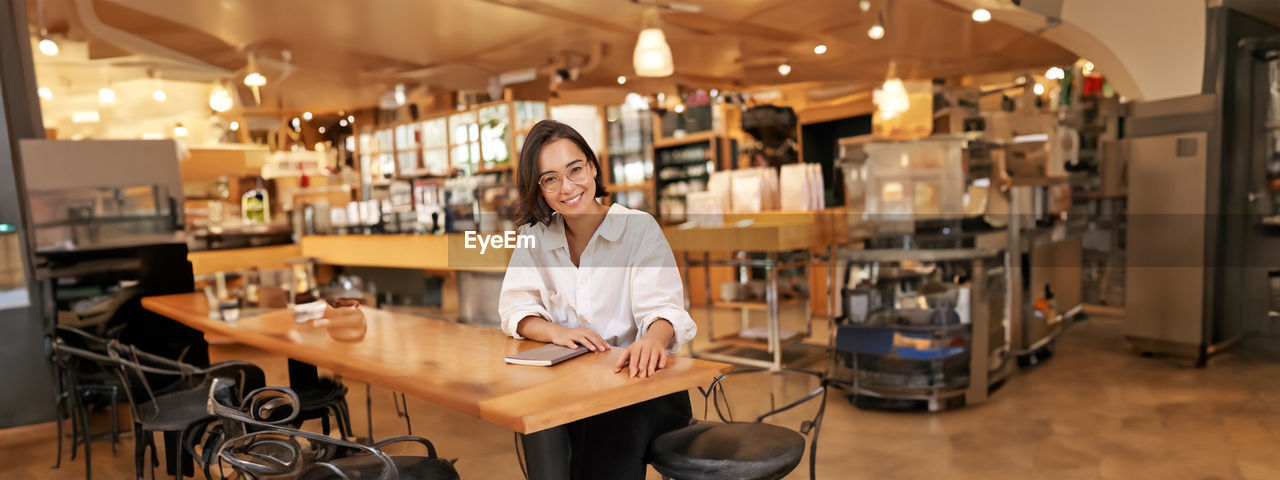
(436, 161)
(366, 143)
(435, 133)
(408, 162)
(494, 134)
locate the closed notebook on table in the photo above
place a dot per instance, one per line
(545, 356)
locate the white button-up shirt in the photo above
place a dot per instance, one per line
(626, 279)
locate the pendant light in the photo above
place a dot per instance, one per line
(254, 79)
(220, 98)
(891, 98)
(652, 57)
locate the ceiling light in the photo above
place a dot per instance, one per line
(106, 96)
(306, 116)
(297, 124)
(321, 130)
(234, 125)
(255, 79)
(49, 47)
(400, 96)
(715, 92)
(784, 69)
(159, 95)
(622, 79)
(876, 32)
(891, 98)
(89, 116)
(1087, 68)
(1055, 73)
(351, 119)
(1039, 89)
(982, 15)
(679, 108)
(179, 131)
(45, 93)
(819, 49)
(864, 5)
(652, 57)
(220, 99)
(342, 122)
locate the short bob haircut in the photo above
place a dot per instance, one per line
(533, 208)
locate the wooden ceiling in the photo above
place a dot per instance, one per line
(345, 54)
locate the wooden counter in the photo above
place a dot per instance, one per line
(453, 365)
(268, 257)
(427, 252)
(767, 232)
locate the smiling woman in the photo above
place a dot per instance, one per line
(599, 277)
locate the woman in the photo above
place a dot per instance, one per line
(598, 277)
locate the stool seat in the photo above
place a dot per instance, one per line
(714, 451)
(362, 467)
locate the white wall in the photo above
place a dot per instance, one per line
(1157, 45)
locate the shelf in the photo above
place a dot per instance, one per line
(755, 305)
(629, 188)
(690, 139)
(756, 343)
(685, 163)
(502, 167)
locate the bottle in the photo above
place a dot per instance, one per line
(254, 205)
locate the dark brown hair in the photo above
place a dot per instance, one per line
(533, 208)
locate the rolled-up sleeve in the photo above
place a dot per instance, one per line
(657, 292)
(521, 292)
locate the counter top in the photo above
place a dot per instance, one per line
(453, 365)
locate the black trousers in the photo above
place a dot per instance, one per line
(612, 445)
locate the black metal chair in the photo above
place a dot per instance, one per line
(258, 445)
(82, 384)
(177, 410)
(739, 450)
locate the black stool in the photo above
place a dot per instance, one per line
(739, 450)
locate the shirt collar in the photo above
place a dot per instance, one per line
(553, 236)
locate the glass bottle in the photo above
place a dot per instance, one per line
(254, 205)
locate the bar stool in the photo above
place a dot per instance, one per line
(739, 450)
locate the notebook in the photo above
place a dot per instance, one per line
(545, 356)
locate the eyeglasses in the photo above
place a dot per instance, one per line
(552, 181)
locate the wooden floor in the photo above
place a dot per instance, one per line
(1093, 411)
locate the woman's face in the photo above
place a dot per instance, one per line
(567, 178)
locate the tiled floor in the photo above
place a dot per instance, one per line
(1093, 411)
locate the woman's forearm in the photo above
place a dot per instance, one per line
(662, 331)
(537, 328)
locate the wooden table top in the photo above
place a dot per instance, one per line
(453, 365)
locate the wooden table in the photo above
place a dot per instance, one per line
(453, 365)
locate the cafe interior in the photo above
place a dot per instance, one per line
(918, 238)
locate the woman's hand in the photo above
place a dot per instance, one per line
(574, 337)
(649, 353)
(646, 357)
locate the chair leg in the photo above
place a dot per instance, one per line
(139, 452)
(115, 421)
(60, 411)
(75, 427)
(324, 423)
(88, 438)
(177, 458)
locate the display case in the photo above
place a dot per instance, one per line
(630, 160)
(922, 329)
(684, 165)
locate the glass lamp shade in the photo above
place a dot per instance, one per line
(652, 56)
(891, 98)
